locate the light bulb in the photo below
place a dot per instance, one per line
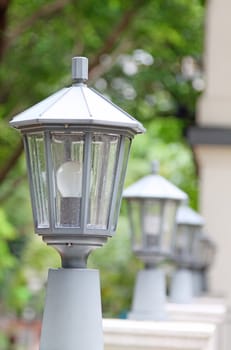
(151, 224)
(69, 179)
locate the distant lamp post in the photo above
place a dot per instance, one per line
(204, 253)
(187, 233)
(152, 204)
(77, 147)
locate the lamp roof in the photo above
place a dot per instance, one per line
(187, 216)
(76, 105)
(154, 186)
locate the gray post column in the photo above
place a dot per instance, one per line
(72, 318)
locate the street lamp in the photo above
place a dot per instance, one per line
(187, 234)
(152, 204)
(77, 145)
(204, 253)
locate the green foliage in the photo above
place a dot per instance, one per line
(118, 268)
(145, 56)
(4, 342)
(7, 233)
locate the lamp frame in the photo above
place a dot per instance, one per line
(153, 188)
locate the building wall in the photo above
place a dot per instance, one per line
(214, 160)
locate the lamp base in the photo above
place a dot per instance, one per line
(72, 317)
(198, 283)
(149, 296)
(181, 291)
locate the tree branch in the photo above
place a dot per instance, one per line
(4, 5)
(115, 33)
(101, 69)
(46, 11)
(12, 187)
(11, 162)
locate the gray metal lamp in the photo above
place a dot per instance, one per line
(77, 146)
(187, 233)
(152, 204)
(204, 253)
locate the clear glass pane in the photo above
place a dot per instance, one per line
(127, 144)
(199, 247)
(134, 213)
(67, 159)
(183, 243)
(104, 152)
(152, 213)
(36, 148)
(169, 218)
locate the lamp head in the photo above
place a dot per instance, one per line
(152, 203)
(188, 228)
(77, 146)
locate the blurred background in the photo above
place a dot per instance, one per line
(146, 56)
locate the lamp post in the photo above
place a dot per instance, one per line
(205, 250)
(188, 230)
(152, 204)
(77, 146)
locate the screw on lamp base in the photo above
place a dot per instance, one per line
(74, 251)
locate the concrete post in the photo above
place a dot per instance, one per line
(72, 317)
(182, 286)
(149, 295)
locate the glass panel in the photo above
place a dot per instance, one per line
(67, 159)
(152, 213)
(127, 144)
(169, 218)
(103, 164)
(191, 235)
(37, 164)
(134, 212)
(183, 243)
(186, 241)
(199, 248)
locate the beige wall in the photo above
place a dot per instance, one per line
(215, 105)
(215, 203)
(214, 109)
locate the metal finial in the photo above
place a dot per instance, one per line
(155, 167)
(79, 69)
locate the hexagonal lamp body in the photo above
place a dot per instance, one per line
(77, 145)
(152, 205)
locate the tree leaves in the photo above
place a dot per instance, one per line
(145, 56)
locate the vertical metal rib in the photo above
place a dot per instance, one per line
(50, 181)
(86, 181)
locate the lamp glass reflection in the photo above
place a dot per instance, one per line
(185, 242)
(151, 222)
(67, 154)
(39, 190)
(69, 179)
(168, 220)
(104, 156)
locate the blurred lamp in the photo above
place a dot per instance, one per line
(77, 145)
(204, 253)
(187, 233)
(152, 204)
